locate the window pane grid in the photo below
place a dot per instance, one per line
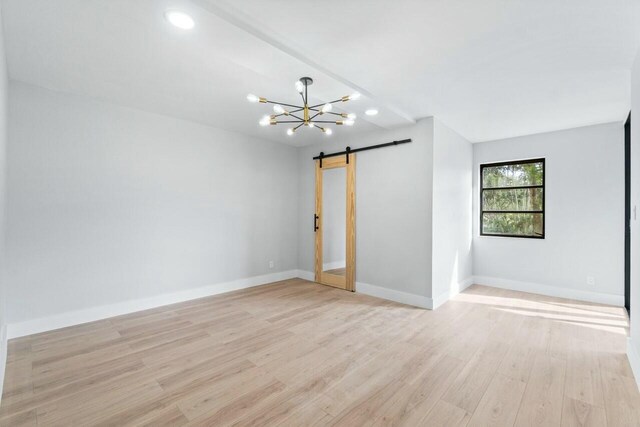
(515, 210)
(515, 187)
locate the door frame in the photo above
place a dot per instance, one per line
(347, 281)
(627, 214)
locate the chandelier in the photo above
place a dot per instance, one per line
(313, 116)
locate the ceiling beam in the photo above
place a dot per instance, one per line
(233, 16)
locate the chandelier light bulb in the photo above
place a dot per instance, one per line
(371, 112)
(308, 112)
(265, 121)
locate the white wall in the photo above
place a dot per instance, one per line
(3, 147)
(584, 217)
(393, 209)
(633, 350)
(109, 204)
(452, 208)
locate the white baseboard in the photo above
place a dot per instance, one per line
(380, 292)
(552, 291)
(455, 290)
(3, 356)
(29, 327)
(514, 285)
(306, 275)
(394, 295)
(634, 360)
(400, 296)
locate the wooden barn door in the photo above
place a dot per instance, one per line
(334, 222)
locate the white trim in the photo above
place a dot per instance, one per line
(394, 295)
(306, 275)
(552, 291)
(3, 356)
(439, 300)
(71, 318)
(455, 290)
(634, 360)
(400, 296)
(514, 285)
(380, 292)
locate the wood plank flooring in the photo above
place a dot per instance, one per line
(295, 353)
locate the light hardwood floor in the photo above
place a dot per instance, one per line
(295, 353)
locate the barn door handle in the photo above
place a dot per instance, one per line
(315, 222)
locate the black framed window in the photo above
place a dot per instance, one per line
(512, 199)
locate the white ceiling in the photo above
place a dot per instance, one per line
(489, 69)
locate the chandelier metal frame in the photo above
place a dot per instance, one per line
(305, 114)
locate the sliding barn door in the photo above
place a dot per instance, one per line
(334, 222)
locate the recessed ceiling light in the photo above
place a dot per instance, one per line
(371, 112)
(179, 19)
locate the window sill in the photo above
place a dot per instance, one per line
(489, 236)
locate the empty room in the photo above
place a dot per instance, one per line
(337, 213)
